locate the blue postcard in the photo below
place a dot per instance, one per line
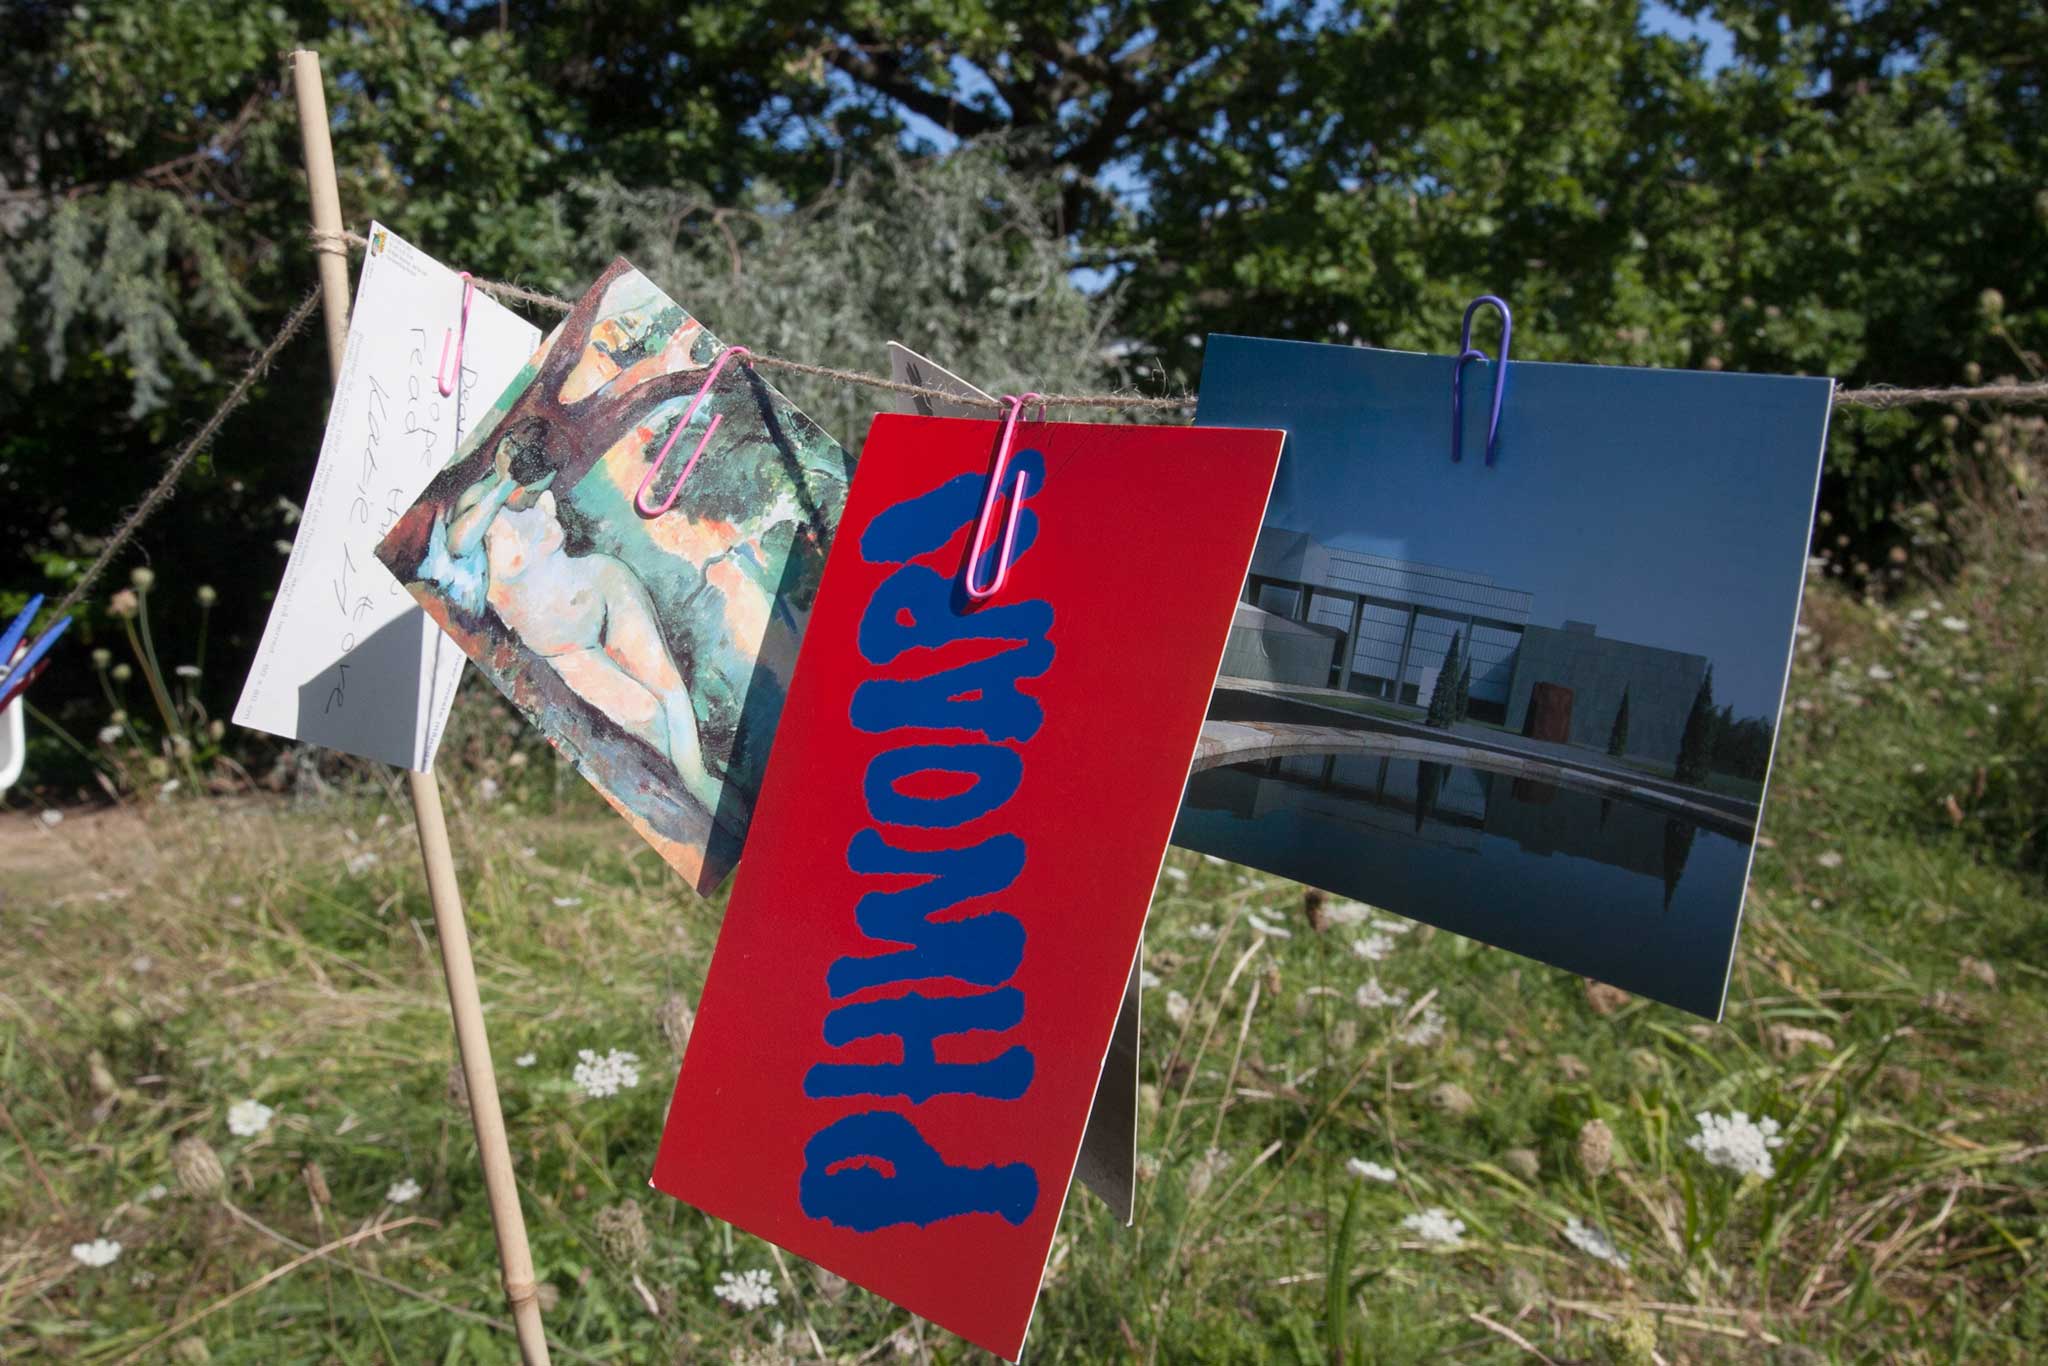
(1531, 701)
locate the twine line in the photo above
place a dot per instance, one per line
(1878, 397)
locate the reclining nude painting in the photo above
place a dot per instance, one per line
(654, 648)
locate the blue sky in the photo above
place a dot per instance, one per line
(1667, 507)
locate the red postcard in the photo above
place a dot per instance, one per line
(957, 838)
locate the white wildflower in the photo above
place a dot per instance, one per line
(98, 1252)
(109, 734)
(1917, 614)
(1879, 673)
(1177, 1007)
(1831, 859)
(1435, 1225)
(1426, 1030)
(187, 671)
(525, 1060)
(1368, 1171)
(248, 1118)
(1594, 1243)
(487, 789)
(746, 1289)
(1204, 931)
(1384, 926)
(1147, 979)
(1956, 624)
(362, 861)
(1736, 1142)
(1267, 927)
(1178, 876)
(1374, 948)
(563, 903)
(1346, 912)
(402, 1192)
(599, 1077)
(1373, 996)
(156, 1192)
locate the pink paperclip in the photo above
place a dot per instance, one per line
(446, 375)
(982, 525)
(689, 414)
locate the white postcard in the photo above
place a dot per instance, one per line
(349, 661)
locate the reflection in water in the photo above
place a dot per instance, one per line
(1602, 885)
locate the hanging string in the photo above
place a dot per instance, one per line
(166, 484)
(1877, 396)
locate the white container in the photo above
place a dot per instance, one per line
(13, 745)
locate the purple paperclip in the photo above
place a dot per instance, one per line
(979, 544)
(689, 414)
(1467, 352)
(446, 375)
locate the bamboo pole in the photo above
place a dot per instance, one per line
(515, 1259)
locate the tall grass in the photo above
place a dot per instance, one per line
(165, 961)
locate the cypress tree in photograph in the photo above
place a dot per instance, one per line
(1617, 739)
(1443, 698)
(1696, 746)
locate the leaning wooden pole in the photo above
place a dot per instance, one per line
(515, 1259)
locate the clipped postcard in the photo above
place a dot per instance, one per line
(906, 1016)
(1109, 1148)
(1530, 700)
(348, 661)
(634, 584)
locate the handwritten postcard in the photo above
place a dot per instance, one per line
(906, 1016)
(1531, 701)
(653, 647)
(348, 661)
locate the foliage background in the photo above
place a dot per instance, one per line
(1850, 188)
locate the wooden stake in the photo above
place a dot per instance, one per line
(515, 1259)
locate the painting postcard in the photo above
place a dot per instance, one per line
(347, 661)
(906, 1015)
(1530, 700)
(1109, 1148)
(653, 647)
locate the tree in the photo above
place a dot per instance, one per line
(1443, 697)
(1464, 698)
(1617, 739)
(1696, 745)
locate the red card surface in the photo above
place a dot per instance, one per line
(957, 839)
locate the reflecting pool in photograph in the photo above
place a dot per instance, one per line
(1617, 888)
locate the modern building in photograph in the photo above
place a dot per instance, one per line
(1317, 616)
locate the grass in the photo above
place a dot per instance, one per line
(164, 961)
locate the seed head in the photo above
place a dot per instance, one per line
(197, 1167)
(143, 577)
(207, 597)
(102, 657)
(622, 1233)
(1596, 1147)
(1630, 1340)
